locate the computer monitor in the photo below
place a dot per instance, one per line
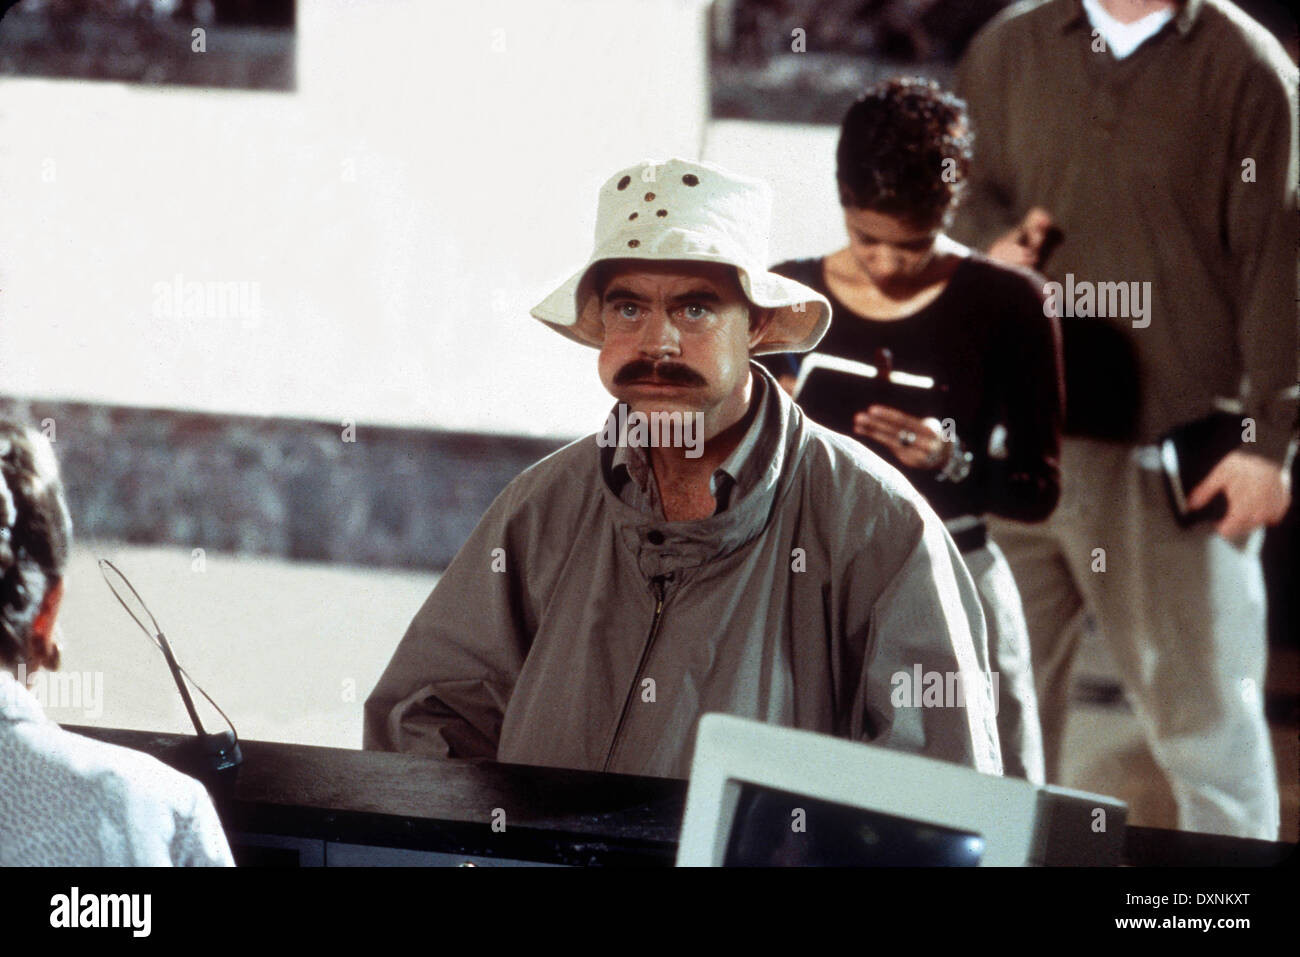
(765, 795)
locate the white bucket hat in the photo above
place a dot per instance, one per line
(697, 212)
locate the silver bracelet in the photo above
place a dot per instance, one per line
(959, 464)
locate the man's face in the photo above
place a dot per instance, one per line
(888, 249)
(677, 339)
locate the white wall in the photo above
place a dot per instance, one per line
(799, 163)
(432, 177)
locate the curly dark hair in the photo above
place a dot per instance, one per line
(905, 150)
(35, 533)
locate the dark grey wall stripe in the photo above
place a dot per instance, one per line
(290, 488)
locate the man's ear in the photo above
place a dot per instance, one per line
(760, 319)
(45, 652)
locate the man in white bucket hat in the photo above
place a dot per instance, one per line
(746, 561)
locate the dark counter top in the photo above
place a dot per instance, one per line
(511, 811)
(550, 815)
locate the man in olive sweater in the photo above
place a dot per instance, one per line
(1152, 144)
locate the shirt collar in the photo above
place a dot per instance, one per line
(738, 472)
(629, 464)
(1123, 39)
(1070, 14)
(741, 469)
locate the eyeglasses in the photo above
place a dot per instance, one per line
(159, 639)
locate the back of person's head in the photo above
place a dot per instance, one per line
(35, 533)
(905, 150)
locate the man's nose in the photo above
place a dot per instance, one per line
(659, 335)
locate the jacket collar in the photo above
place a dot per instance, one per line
(1070, 15)
(768, 468)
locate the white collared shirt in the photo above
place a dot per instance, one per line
(69, 801)
(1123, 38)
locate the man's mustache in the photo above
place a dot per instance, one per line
(672, 373)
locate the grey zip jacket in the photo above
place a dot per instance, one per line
(574, 630)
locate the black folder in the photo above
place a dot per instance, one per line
(1188, 453)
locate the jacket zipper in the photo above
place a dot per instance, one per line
(660, 585)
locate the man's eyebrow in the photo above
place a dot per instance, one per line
(622, 292)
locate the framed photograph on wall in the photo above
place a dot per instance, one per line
(801, 61)
(232, 44)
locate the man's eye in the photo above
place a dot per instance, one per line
(627, 310)
(695, 311)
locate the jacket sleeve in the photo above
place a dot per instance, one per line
(925, 630)
(445, 691)
(988, 209)
(1262, 240)
(1027, 372)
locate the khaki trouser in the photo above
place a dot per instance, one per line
(1009, 660)
(1183, 613)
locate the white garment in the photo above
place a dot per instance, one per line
(1123, 38)
(69, 801)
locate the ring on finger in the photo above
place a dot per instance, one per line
(906, 437)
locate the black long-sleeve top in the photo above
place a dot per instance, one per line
(995, 357)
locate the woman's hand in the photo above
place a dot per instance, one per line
(916, 443)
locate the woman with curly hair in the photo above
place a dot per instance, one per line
(906, 295)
